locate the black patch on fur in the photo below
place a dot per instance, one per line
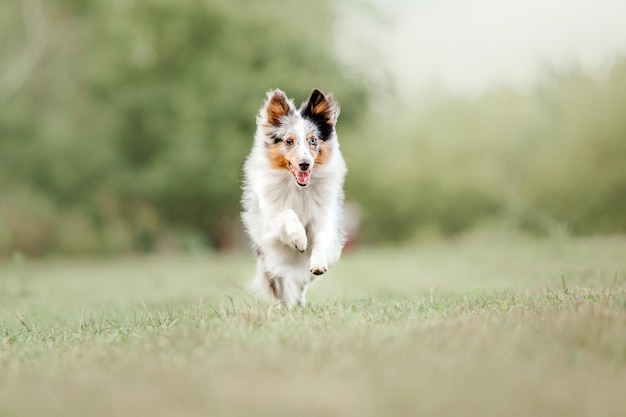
(322, 120)
(276, 286)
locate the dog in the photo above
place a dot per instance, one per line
(293, 194)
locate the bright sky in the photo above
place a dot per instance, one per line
(466, 46)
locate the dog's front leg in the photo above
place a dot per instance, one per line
(318, 262)
(287, 228)
(325, 251)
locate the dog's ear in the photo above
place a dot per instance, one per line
(276, 107)
(321, 108)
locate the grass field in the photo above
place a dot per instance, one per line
(482, 326)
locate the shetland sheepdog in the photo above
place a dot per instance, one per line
(293, 194)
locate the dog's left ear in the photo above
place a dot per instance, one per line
(321, 108)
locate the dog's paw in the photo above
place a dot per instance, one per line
(299, 241)
(296, 235)
(318, 265)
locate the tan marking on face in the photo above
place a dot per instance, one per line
(281, 155)
(277, 157)
(322, 154)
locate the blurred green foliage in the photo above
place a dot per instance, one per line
(127, 126)
(551, 159)
(132, 129)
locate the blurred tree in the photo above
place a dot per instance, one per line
(544, 160)
(141, 113)
(577, 177)
(124, 125)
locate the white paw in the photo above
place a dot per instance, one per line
(318, 265)
(296, 235)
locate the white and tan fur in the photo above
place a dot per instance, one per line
(293, 194)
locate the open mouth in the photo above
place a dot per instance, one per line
(302, 177)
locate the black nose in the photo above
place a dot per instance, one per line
(304, 166)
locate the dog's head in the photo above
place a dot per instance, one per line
(298, 139)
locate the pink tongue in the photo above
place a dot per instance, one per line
(303, 176)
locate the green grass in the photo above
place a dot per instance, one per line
(483, 326)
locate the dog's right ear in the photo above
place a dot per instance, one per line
(277, 107)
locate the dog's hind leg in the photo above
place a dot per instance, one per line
(289, 292)
(276, 287)
(286, 279)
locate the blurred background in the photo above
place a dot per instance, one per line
(124, 124)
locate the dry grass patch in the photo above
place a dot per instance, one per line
(182, 339)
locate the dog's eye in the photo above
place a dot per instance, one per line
(313, 141)
(289, 142)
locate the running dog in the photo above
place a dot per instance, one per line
(293, 194)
